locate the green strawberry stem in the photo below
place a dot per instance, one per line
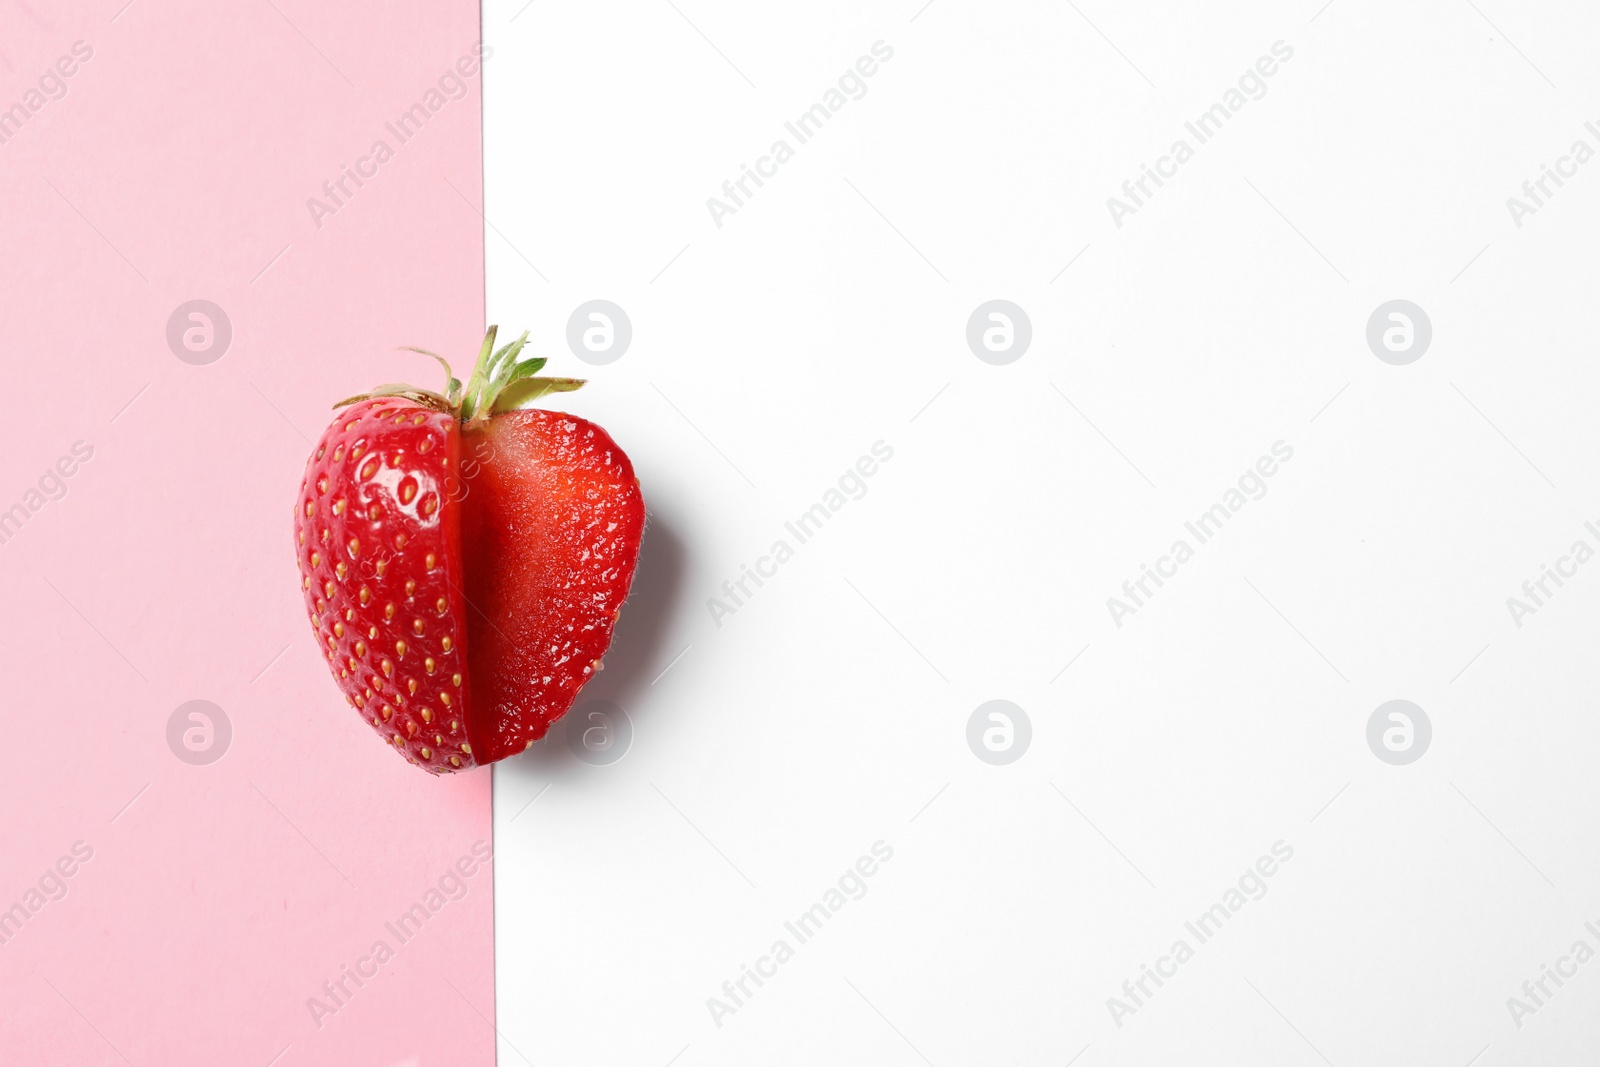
(500, 382)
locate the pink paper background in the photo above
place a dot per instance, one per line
(177, 166)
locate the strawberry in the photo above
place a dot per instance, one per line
(464, 562)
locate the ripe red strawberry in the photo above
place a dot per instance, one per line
(464, 562)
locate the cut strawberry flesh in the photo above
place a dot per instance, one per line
(551, 523)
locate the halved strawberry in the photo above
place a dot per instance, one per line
(550, 528)
(464, 562)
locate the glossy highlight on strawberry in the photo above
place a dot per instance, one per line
(464, 562)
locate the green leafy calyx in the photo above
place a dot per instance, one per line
(501, 381)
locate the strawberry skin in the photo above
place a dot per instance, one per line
(551, 525)
(377, 537)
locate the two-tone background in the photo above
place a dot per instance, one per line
(1120, 579)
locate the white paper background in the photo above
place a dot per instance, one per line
(1230, 712)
